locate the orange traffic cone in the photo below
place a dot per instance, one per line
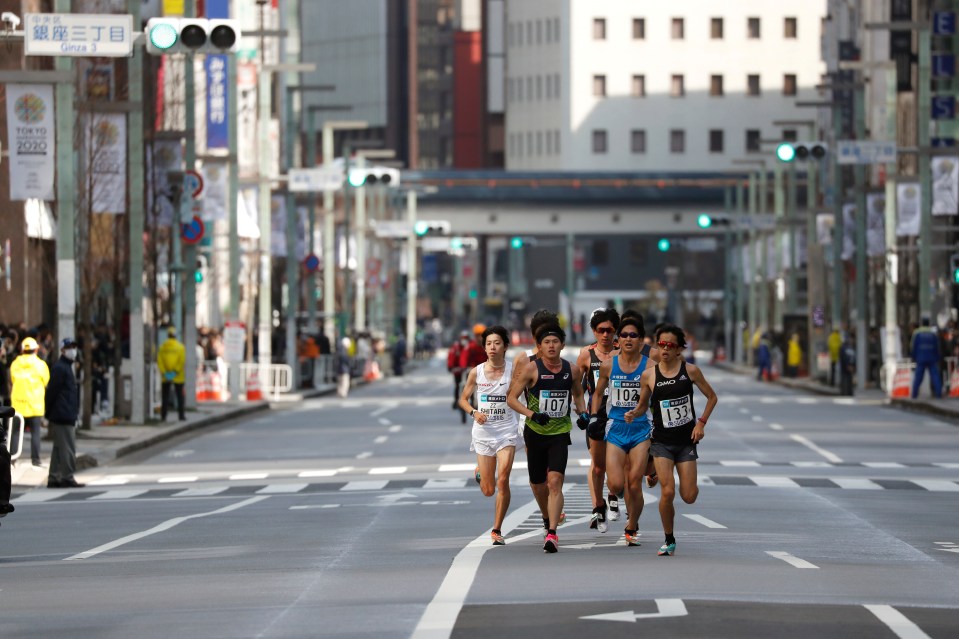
(216, 387)
(954, 383)
(253, 392)
(901, 382)
(202, 387)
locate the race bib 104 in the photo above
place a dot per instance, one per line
(624, 393)
(554, 403)
(676, 412)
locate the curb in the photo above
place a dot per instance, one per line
(926, 409)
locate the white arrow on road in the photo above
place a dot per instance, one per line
(667, 608)
(392, 498)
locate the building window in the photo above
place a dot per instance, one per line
(529, 88)
(678, 32)
(519, 34)
(677, 141)
(599, 86)
(539, 143)
(752, 28)
(556, 141)
(716, 28)
(529, 143)
(549, 140)
(519, 89)
(556, 86)
(789, 84)
(539, 32)
(790, 29)
(752, 85)
(639, 86)
(599, 141)
(549, 87)
(716, 141)
(752, 140)
(637, 141)
(511, 36)
(639, 28)
(677, 87)
(539, 87)
(715, 85)
(790, 135)
(600, 252)
(556, 29)
(599, 28)
(549, 31)
(529, 32)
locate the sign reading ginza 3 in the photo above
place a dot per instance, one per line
(78, 34)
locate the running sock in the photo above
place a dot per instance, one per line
(670, 539)
(497, 531)
(546, 524)
(631, 531)
(551, 531)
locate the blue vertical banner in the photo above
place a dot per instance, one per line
(217, 115)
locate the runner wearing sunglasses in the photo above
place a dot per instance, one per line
(627, 434)
(668, 387)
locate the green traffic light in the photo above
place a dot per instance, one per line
(357, 179)
(663, 245)
(704, 221)
(163, 36)
(955, 275)
(516, 242)
(473, 294)
(786, 152)
(421, 228)
(198, 277)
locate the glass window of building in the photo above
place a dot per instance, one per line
(789, 84)
(752, 28)
(716, 28)
(637, 141)
(678, 31)
(639, 86)
(599, 28)
(716, 141)
(639, 28)
(599, 141)
(539, 143)
(677, 87)
(556, 140)
(556, 86)
(539, 87)
(790, 135)
(752, 85)
(556, 29)
(752, 140)
(599, 86)
(539, 32)
(677, 141)
(790, 28)
(716, 85)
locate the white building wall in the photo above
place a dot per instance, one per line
(578, 57)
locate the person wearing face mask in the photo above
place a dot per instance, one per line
(62, 409)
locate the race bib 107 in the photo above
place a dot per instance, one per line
(554, 403)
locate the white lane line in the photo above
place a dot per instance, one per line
(757, 418)
(447, 483)
(206, 491)
(113, 480)
(897, 622)
(382, 439)
(457, 468)
(769, 400)
(388, 470)
(119, 494)
(883, 465)
(937, 485)
(836, 459)
(811, 464)
(317, 473)
(946, 464)
(855, 483)
(734, 462)
(311, 506)
(378, 484)
(177, 480)
(771, 481)
(807, 400)
(281, 489)
(365, 455)
(709, 523)
(168, 524)
(790, 559)
(744, 411)
(38, 497)
(776, 426)
(395, 428)
(240, 476)
(382, 409)
(384, 422)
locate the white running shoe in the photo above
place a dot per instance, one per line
(613, 508)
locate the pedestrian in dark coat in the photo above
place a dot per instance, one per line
(62, 401)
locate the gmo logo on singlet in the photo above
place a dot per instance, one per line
(666, 382)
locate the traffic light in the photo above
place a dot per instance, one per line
(705, 220)
(663, 245)
(516, 242)
(189, 35)
(793, 151)
(425, 228)
(954, 267)
(374, 175)
(201, 264)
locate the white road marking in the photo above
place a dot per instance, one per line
(457, 468)
(883, 465)
(241, 476)
(37, 496)
(365, 455)
(279, 489)
(382, 409)
(168, 524)
(384, 422)
(388, 470)
(382, 439)
(307, 507)
(946, 464)
(112, 480)
(709, 523)
(119, 494)
(773, 481)
(744, 411)
(757, 418)
(177, 480)
(776, 426)
(855, 483)
(790, 559)
(584, 462)
(446, 483)
(937, 485)
(836, 459)
(395, 428)
(377, 484)
(317, 473)
(807, 400)
(206, 491)
(665, 608)
(897, 622)
(769, 400)
(749, 463)
(811, 464)
(344, 469)
(179, 453)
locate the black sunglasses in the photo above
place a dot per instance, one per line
(629, 335)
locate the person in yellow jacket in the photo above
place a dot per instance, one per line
(793, 356)
(172, 362)
(29, 376)
(834, 343)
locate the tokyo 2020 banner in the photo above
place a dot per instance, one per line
(31, 131)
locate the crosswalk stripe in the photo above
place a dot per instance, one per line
(317, 473)
(241, 476)
(455, 468)
(377, 484)
(177, 480)
(206, 491)
(739, 463)
(38, 496)
(119, 494)
(767, 481)
(883, 465)
(855, 483)
(279, 489)
(937, 485)
(388, 470)
(446, 483)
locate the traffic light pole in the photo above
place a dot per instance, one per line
(923, 109)
(412, 283)
(862, 310)
(837, 230)
(729, 279)
(892, 340)
(792, 287)
(66, 196)
(753, 267)
(359, 298)
(764, 253)
(135, 164)
(188, 273)
(779, 211)
(740, 341)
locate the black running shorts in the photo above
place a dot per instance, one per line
(545, 453)
(677, 452)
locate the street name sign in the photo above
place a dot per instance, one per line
(317, 179)
(98, 35)
(865, 152)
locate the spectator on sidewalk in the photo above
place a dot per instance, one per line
(793, 356)
(343, 367)
(925, 352)
(171, 360)
(764, 359)
(62, 409)
(847, 364)
(834, 342)
(29, 376)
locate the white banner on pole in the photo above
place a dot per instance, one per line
(215, 184)
(945, 186)
(106, 135)
(876, 224)
(907, 204)
(31, 133)
(848, 231)
(825, 222)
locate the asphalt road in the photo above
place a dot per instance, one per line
(359, 518)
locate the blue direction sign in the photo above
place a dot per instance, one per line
(943, 107)
(943, 65)
(944, 23)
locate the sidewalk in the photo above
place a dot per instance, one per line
(102, 444)
(946, 408)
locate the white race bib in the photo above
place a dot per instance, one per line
(554, 403)
(624, 393)
(493, 405)
(676, 412)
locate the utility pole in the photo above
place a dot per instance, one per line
(66, 196)
(188, 273)
(740, 341)
(137, 212)
(862, 294)
(412, 284)
(923, 110)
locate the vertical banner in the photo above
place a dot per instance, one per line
(30, 134)
(848, 231)
(825, 223)
(217, 98)
(945, 186)
(907, 204)
(106, 155)
(278, 226)
(876, 224)
(167, 156)
(246, 119)
(215, 184)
